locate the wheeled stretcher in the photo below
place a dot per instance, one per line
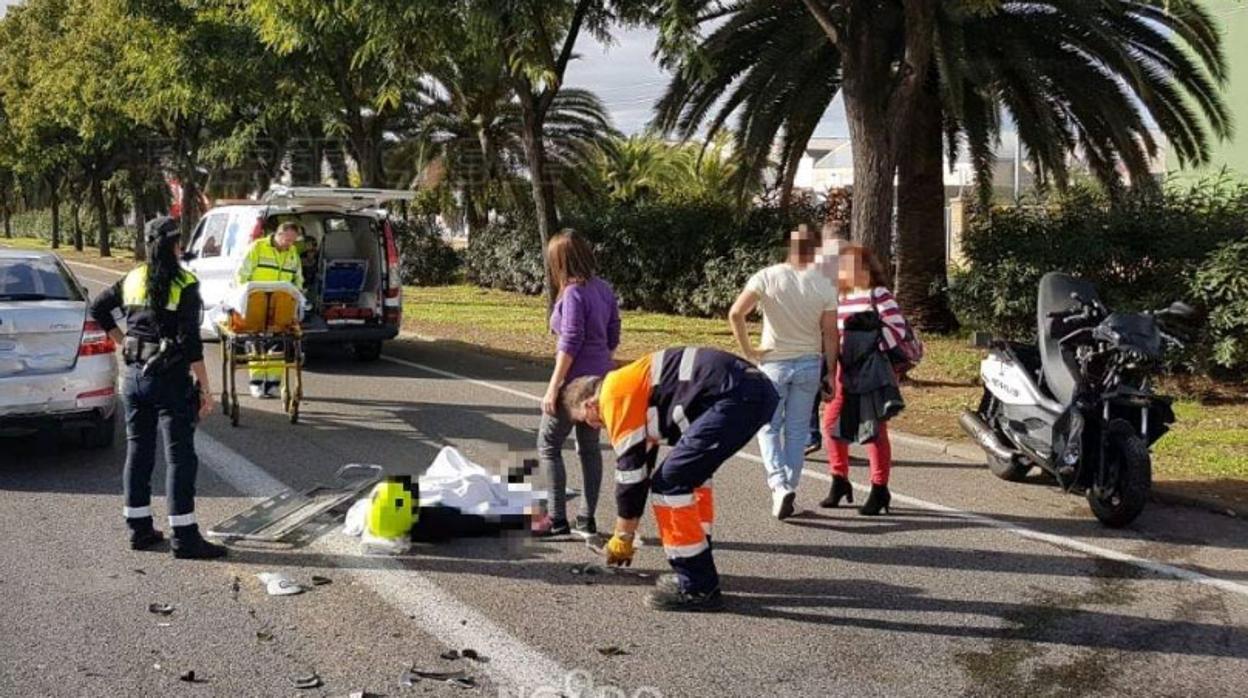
(262, 327)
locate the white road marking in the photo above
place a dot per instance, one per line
(435, 611)
(1063, 542)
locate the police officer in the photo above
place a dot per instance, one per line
(271, 258)
(161, 349)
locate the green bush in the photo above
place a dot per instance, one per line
(506, 254)
(1221, 285)
(426, 258)
(1141, 251)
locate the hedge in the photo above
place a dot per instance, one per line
(1143, 252)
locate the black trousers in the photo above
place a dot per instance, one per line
(161, 403)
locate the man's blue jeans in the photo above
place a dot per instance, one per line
(783, 439)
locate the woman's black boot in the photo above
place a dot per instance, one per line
(878, 500)
(841, 489)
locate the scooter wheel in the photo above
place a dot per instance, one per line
(1135, 477)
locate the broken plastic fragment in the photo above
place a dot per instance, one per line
(318, 581)
(470, 653)
(278, 584)
(438, 675)
(264, 635)
(163, 609)
(612, 651)
(450, 655)
(189, 677)
(306, 682)
(463, 682)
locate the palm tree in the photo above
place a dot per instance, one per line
(1074, 77)
(467, 133)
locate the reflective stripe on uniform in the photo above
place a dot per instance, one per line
(652, 422)
(630, 477)
(656, 367)
(678, 416)
(631, 439)
(183, 519)
(686, 551)
(673, 501)
(137, 512)
(686, 363)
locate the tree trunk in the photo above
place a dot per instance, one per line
(543, 190)
(921, 247)
(56, 218)
(337, 164)
(102, 230)
(7, 213)
(76, 220)
(140, 215)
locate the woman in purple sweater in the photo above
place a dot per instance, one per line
(587, 320)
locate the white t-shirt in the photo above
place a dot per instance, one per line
(793, 302)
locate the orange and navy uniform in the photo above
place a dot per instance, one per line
(654, 400)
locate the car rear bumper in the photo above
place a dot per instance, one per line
(88, 392)
(349, 334)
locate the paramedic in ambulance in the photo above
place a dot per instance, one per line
(707, 404)
(271, 258)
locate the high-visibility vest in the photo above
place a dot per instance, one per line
(264, 262)
(134, 288)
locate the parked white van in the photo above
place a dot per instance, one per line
(350, 260)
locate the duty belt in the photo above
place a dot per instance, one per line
(138, 351)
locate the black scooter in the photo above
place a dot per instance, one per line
(1080, 406)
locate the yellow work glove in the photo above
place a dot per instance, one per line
(619, 550)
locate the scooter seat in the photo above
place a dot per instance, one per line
(1061, 371)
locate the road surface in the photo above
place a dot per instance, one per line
(971, 587)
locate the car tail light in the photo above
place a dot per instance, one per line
(393, 301)
(95, 340)
(258, 231)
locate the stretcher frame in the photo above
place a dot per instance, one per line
(277, 517)
(271, 321)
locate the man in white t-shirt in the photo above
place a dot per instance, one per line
(798, 301)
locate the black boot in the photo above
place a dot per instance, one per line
(189, 545)
(143, 534)
(666, 599)
(878, 500)
(840, 489)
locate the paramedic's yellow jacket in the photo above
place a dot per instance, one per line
(264, 262)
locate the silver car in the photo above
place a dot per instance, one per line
(57, 366)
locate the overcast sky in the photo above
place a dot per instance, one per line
(628, 80)
(625, 77)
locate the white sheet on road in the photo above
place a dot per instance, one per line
(454, 481)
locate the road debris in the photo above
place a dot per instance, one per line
(450, 655)
(318, 581)
(472, 654)
(306, 682)
(162, 609)
(264, 636)
(189, 677)
(279, 584)
(235, 587)
(612, 651)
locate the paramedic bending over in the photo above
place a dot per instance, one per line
(271, 258)
(162, 350)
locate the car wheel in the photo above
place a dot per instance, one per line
(367, 351)
(101, 435)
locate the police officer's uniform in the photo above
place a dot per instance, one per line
(160, 345)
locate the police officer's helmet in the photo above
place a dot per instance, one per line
(160, 228)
